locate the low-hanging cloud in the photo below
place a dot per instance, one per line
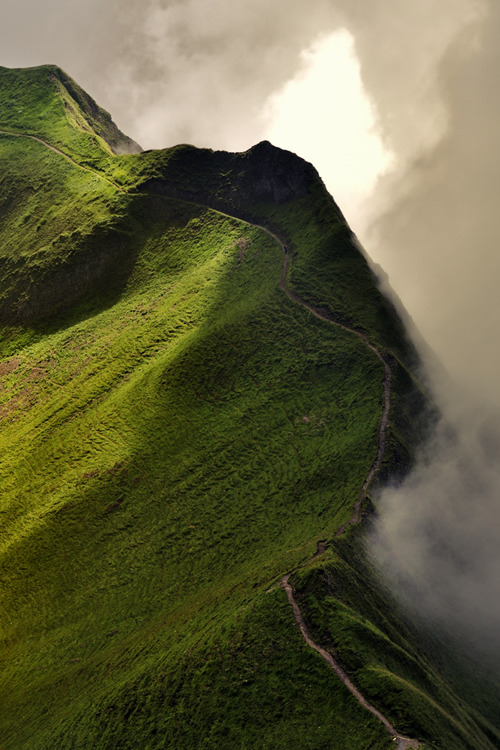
(436, 538)
(200, 72)
(439, 231)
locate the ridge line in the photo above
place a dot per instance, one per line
(387, 382)
(403, 743)
(63, 154)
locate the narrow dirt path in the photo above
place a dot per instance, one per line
(329, 658)
(402, 742)
(386, 383)
(386, 386)
(65, 156)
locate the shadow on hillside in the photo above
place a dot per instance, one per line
(92, 271)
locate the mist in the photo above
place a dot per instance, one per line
(437, 537)
(397, 105)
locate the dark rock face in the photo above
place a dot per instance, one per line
(275, 175)
(236, 183)
(240, 184)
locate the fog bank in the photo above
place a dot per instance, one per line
(437, 541)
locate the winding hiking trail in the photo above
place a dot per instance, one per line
(401, 742)
(386, 385)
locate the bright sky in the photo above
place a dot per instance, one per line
(325, 115)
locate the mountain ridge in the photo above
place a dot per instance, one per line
(177, 434)
(45, 92)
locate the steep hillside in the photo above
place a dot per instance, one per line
(201, 384)
(45, 101)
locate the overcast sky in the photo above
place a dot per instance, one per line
(397, 104)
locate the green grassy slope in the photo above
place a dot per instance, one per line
(46, 102)
(176, 435)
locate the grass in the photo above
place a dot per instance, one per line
(386, 652)
(176, 435)
(184, 436)
(45, 102)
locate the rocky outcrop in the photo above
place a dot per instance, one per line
(99, 121)
(238, 183)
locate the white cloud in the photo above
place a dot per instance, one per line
(325, 115)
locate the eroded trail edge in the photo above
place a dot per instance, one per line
(402, 742)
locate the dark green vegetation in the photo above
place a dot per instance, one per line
(176, 435)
